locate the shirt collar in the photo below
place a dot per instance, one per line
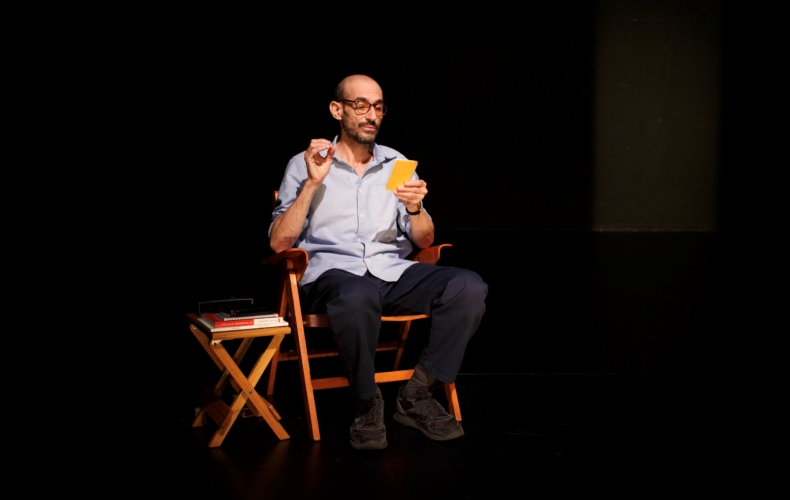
(378, 153)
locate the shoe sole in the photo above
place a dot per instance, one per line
(410, 422)
(370, 445)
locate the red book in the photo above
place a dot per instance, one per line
(217, 322)
(210, 325)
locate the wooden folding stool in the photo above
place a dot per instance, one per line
(247, 396)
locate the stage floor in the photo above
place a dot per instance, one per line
(525, 434)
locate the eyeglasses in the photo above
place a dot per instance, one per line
(361, 107)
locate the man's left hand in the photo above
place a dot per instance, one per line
(412, 193)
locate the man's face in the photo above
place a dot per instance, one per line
(365, 127)
(362, 128)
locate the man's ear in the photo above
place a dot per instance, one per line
(336, 109)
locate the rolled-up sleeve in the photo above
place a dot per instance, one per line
(291, 185)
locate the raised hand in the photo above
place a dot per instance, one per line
(318, 166)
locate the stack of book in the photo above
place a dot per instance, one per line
(226, 322)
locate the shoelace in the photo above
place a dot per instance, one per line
(427, 405)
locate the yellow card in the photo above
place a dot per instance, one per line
(401, 172)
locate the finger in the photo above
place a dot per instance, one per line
(409, 197)
(315, 156)
(323, 143)
(317, 145)
(403, 198)
(330, 153)
(317, 150)
(411, 191)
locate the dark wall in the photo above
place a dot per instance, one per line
(658, 96)
(499, 114)
(605, 115)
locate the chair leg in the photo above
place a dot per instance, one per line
(282, 309)
(452, 401)
(403, 333)
(304, 363)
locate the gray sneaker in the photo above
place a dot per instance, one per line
(426, 415)
(367, 430)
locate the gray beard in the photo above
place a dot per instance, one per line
(358, 136)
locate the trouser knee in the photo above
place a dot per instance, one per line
(468, 289)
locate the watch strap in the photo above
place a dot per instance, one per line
(414, 213)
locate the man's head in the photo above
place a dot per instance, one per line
(353, 95)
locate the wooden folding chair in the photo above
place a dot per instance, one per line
(293, 263)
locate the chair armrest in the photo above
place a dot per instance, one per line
(293, 258)
(429, 255)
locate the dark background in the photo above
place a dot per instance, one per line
(577, 157)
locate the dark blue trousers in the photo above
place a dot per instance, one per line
(454, 297)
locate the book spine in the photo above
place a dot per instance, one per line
(228, 317)
(218, 323)
(248, 327)
(263, 321)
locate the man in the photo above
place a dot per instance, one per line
(333, 203)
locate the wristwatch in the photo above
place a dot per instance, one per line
(414, 213)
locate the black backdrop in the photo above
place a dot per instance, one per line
(498, 109)
(498, 116)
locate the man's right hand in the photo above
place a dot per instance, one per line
(287, 227)
(318, 166)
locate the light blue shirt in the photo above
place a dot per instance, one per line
(353, 223)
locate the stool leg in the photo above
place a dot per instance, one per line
(200, 418)
(248, 393)
(272, 374)
(282, 310)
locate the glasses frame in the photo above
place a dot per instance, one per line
(369, 105)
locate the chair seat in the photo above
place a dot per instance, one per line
(322, 320)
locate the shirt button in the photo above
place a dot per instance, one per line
(362, 215)
(360, 190)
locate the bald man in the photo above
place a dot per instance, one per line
(333, 203)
